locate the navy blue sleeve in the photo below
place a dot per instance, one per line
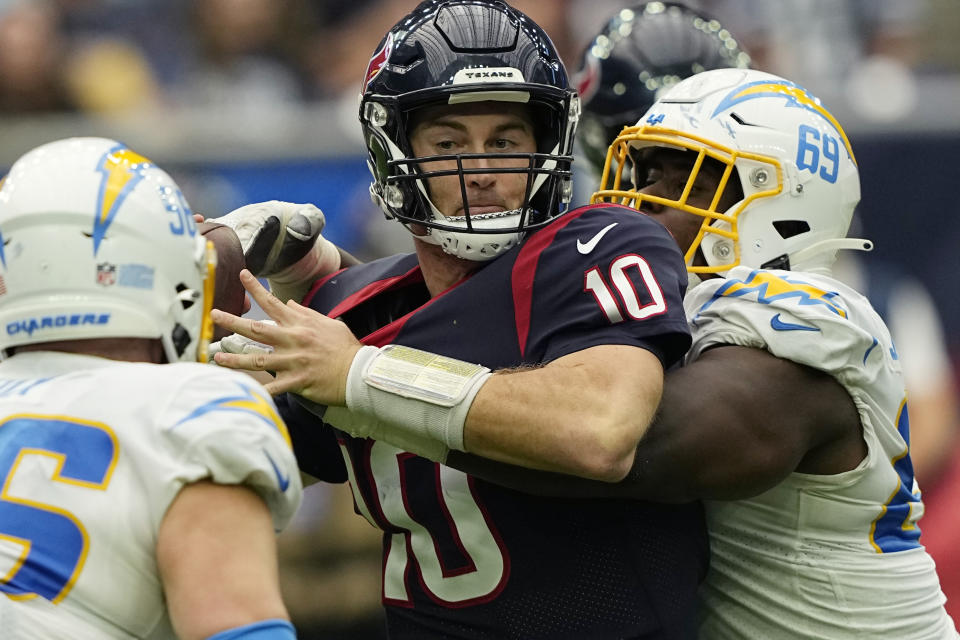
(607, 276)
(314, 443)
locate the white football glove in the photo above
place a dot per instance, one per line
(282, 242)
(236, 343)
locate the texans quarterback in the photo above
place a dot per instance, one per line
(518, 330)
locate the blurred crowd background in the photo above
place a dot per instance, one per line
(249, 100)
(114, 57)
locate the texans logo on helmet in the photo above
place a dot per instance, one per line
(378, 60)
(588, 79)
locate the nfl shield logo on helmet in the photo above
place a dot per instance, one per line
(106, 274)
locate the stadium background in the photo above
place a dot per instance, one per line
(251, 100)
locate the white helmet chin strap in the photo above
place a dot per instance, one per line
(478, 247)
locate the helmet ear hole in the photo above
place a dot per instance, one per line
(790, 228)
(379, 158)
(180, 338)
(185, 295)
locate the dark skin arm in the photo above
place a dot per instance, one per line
(731, 425)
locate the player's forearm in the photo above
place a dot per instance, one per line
(672, 463)
(716, 437)
(216, 554)
(580, 415)
(661, 468)
(712, 438)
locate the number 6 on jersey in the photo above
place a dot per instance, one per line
(54, 543)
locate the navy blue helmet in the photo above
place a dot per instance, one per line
(453, 52)
(639, 52)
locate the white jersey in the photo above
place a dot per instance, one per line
(819, 557)
(92, 452)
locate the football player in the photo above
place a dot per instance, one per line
(141, 490)
(790, 417)
(469, 120)
(659, 44)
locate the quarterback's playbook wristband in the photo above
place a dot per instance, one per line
(412, 399)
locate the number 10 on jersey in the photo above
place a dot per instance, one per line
(619, 276)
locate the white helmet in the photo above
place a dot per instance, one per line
(792, 159)
(97, 242)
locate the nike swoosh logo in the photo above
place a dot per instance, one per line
(589, 245)
(779, 325)
(283, 482)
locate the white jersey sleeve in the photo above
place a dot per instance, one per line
(224, 426)
(811, 320)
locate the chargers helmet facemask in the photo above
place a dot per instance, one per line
(642, 51)
(455, 52)
(788, 154)
(98, 242)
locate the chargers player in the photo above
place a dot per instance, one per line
(469, 122)
(661, 43)
(140, 492)
(795, 414)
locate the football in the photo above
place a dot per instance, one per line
(229, 294)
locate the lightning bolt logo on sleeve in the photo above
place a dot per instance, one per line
(768, 287)
(248, 401)
(122, 170)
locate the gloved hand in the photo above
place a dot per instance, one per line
(282, 242)
(236, 343)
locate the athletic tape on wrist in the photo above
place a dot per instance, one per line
(323, 258)
(295, 281)
(415, 400)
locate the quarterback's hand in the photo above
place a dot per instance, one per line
(311, 353)
(282, 242)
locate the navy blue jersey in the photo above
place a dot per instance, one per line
(465, 558)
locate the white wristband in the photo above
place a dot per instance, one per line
(412, 399)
